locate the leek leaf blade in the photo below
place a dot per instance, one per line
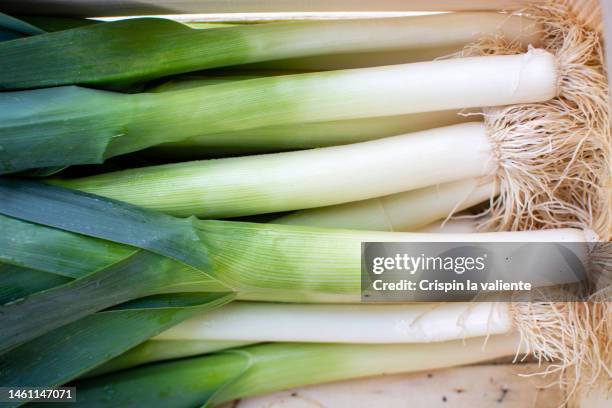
(112, 54)
(111, 220)
(18, 26)
(140, 275)
(55, 251)
(17, 282)
(171, 259)
(43, 127)
(67, 352)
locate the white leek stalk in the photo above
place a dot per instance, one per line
(242, 323)
(137, 121)
(124, 55)
(304, 179)
(406, 211)
(404, 40)
(410, 323)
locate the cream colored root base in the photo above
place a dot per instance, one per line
(574, 337)
(554, 157)
(555, 171)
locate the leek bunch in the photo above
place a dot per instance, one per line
(109, 282)
(145, 272)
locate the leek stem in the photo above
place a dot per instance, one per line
(337, 362)
(319, 323)
(260, 369)
(406, 211)
(240, 323)
(336, 95)
(305, 264)
(137, 50)
(255, 261)
(304, 179)
(57, 121)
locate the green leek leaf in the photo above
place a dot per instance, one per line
(172, 257)
(161, 350)
(56, 251)
(141, 274)
(69, 351)
(6, 35)
(17, 282)
(18, 26)
(52, 24)
(89, 215)
(117, 53)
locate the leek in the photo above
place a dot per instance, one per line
(320, 323)
(231, 187)
(250, 322)
(56, 122)
(241, 323)
(406, 211)
(259, 369)
(547, 143)
(138, 50)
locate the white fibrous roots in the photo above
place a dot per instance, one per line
(555, 171)
(554, 156)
